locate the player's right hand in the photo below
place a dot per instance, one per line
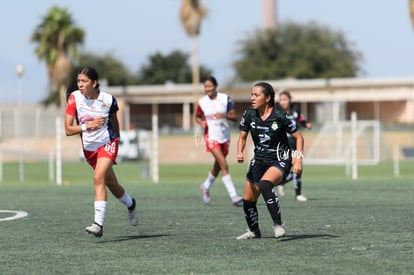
(240, 158)
(98, 121)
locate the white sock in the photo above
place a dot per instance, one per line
(228, 183)
(209, 181)
(100, 208)
(126, 199)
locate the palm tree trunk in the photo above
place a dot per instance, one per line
(411, 9)
(195, 70)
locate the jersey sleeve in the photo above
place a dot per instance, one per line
(114, 106)
(199, 111)
(244, 124)
(71, 107)
(230, 104)
(289, 125)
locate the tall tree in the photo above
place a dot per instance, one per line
(57, 38)
(297, 50)
(109, 67)
(171, 67)
(191, 15)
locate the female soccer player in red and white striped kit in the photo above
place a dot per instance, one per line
(97, 125)
(213, 112)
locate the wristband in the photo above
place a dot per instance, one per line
(83, 127)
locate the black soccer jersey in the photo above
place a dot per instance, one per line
(269, 136)
(297, 118)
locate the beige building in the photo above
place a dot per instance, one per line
(390, 100)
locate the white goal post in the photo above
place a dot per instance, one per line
(350, 143)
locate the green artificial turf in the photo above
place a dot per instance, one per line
(346, 227)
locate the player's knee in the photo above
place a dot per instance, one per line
(98, 179)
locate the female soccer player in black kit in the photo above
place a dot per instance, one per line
(285, 104)
(272, 157)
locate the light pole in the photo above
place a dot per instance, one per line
(20, 72)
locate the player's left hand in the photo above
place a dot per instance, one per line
(240, 158)
(297, 166)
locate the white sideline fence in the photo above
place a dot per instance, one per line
(38, 121)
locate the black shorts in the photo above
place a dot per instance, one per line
(258, 169)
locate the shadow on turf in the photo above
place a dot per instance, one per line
(135, 237)
(308, 236)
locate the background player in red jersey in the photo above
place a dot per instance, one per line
(213, 112)
(97, 124)
(294, 114)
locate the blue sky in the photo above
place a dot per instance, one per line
(131, 30)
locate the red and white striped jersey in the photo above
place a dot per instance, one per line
(85, 110)
(217, 128)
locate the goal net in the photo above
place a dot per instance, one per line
(344, 142)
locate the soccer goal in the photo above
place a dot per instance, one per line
(349, 143)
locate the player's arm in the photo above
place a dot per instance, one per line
(199, 117)
(241, 145)
(231, 115)
(71, 129)
(304, 122)
(231, 111)
(244, 127)
(298, 155)
(113, 119)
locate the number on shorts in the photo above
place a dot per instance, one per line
(110, 147)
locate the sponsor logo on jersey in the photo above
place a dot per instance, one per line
(264, 138)
(274, 125)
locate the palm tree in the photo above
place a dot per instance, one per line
(57, 39)
(411, 7)
(191, 14)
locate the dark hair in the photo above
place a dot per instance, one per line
(286, 93)
(91, 73)
(268, 91)
(212, 79)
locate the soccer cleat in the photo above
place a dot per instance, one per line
(132, 213)
(279, 231)
(281, 190)
(206, 194)
(249, 235)
(301, 198)
(237, 201)
(95, 229)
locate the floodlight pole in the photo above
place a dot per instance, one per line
(354, 153)
(19, 73)
(154, 152)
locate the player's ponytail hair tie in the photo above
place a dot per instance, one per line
(92, 74)
(268, 91)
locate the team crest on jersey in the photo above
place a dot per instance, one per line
(274, 125)
(104, 106)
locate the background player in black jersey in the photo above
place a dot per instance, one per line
(294, 114)
(272, 157)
